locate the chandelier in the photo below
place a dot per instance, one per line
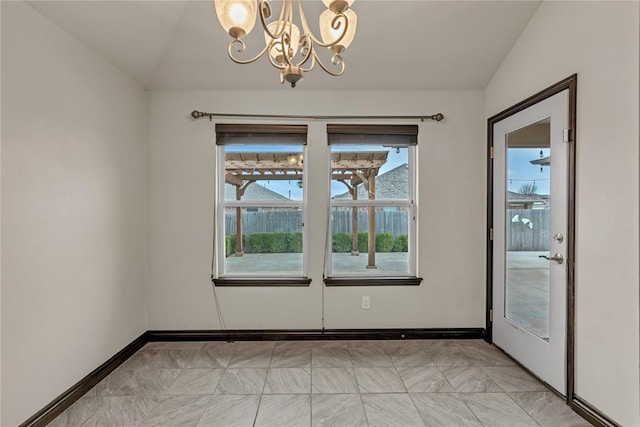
(290, 49)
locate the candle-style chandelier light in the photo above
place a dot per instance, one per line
(288, 48)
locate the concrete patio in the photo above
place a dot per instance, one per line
(528, 291)
(386, 262)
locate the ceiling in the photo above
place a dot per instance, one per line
(399, 45)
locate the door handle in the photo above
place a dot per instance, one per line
(557, 258)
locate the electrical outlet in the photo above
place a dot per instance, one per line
(366, 303)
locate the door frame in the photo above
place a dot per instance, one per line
(571, 84)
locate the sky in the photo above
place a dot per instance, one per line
(520, 171)
(291, 190)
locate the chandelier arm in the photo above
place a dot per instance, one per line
(335, 74)
(305, 25)
(335, 23)
(290, 34)
(271, 60)
(286, 40)
(307, 30)
(265, 8)
(307, 50)
(313, 63)
(241, 48)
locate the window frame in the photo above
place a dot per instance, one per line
(220, 276)
(376, 279)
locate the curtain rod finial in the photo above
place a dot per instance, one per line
(197, 114)
(437, 117)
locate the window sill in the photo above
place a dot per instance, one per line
(262, 282)
(372, 281)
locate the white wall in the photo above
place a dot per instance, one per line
(452, 215)
(599, 41)
(0, 230)
(73, 211)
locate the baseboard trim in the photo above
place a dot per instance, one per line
(75, 392)
(590, 413)
(314, 334)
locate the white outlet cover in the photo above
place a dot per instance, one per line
(366, 303)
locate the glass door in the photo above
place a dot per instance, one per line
(530, 214)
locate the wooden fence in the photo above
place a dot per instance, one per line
(522, 238)
(519, 237)
(394, 222)
(267, 221)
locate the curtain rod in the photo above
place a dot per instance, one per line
(200, 114)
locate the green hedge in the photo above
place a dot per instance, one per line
(294, 242)
(266, 243)
(230, 244)
(401, 244)
(384, 242)
(363, 242)
(258, 243)
(342, 242)
(280, 242)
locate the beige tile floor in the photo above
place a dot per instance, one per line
(320, 383)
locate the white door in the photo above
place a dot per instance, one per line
(530, 237)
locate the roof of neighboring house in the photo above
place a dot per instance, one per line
(530, 197)
(393, 184)
(254, 191)
(528, 201)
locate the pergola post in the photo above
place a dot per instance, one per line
(371, 187)
(355, 251)
(353, 191)
(239, 249)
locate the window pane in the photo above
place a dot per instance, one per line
(361, 167)
(350, 242)
(263, 173)
(271, 243)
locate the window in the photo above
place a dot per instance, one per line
(260, 207)
(372, 204)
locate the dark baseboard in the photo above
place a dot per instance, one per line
(315, 334)
(591, 414)
(75, 392)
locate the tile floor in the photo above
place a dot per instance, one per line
(320, 383)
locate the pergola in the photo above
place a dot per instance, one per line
(351, 168)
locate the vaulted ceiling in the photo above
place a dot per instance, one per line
(399, 45)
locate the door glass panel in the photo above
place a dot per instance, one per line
(528, 208)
